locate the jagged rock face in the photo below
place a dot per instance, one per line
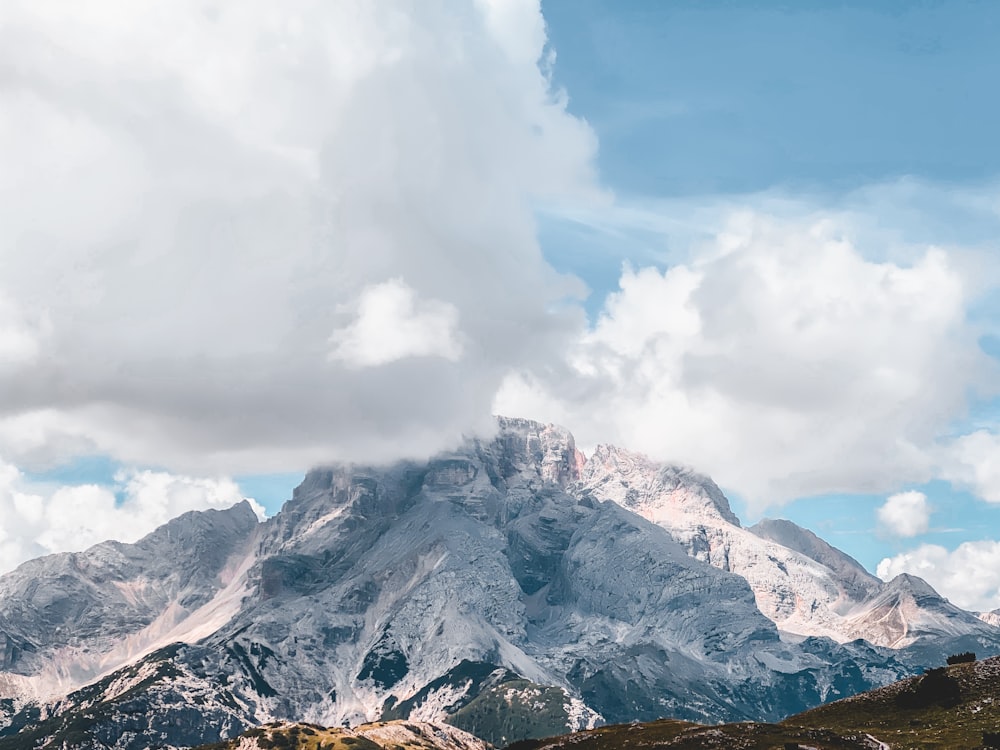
(374, 589)
(664, 494)
(858, 583)
(384, 580)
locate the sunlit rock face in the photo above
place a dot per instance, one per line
(801, 583)
(509, 570)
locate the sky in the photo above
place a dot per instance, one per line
(756, 238)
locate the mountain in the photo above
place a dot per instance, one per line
(801, 583)
(66, 619)
(858, 583)
(510, 588)
(801, 595)
(908, 612)
(952, 708)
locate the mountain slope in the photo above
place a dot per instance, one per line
(946, 719)
(799, 594)
(66, 619)
(858, 582)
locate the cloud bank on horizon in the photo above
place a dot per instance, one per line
(242, 239)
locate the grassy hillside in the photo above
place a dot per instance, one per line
(296, 737)
(947, 709)
(668, 733)
(384, 735)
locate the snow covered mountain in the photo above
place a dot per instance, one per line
(509, 573)
(801, 583)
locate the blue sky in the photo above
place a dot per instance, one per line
(694, 98)
(729, 98)
(714, 101)
(784, 216)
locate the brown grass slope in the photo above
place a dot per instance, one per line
(888, 713)
(950, 710)
(680, 735)
(385, 735)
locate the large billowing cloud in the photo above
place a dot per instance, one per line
(246, 237)
(241, 237)
(780, 359)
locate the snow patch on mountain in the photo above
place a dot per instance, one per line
(991, 618)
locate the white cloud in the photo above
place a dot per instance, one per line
(39, 519)
(20, 337)
(905, 514)
(968, 576)
(392, 324)
(973, 461)
(778, 358)
(193, 192)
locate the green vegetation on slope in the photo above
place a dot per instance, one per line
(962, 703)
(681, 735)
(513, 709)
(382, 735)
(283, 736)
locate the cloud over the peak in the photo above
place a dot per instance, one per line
(243, 238)
(193, 194)
(779, 358)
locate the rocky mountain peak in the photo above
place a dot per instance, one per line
(547, 449)
(660, 492)
(906, 584)
(204, 530)
(907, 609)
(485, 582)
